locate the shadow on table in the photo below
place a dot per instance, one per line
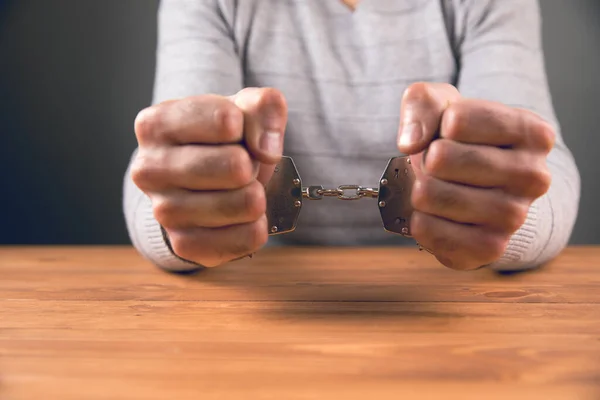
(339, 283)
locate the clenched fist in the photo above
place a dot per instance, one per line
(204, 162)
(479, 165)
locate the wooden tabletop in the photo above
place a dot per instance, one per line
(301, 323)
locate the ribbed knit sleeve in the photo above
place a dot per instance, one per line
(499, 46)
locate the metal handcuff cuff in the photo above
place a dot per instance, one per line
(285, 194)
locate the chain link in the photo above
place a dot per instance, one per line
(318, 192)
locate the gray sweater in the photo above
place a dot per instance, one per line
(343, 74)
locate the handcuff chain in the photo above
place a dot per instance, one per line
(318, 192)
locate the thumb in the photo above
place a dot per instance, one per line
(423, 105)
(265, 118)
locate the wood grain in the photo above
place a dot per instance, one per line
(299, 323)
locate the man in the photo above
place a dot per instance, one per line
(341, 87)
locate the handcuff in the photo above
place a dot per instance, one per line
(285, 195)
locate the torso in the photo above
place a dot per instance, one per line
(343, 73)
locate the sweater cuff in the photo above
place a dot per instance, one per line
(152, 243)
(525, 245)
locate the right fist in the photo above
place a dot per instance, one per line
(204, 162)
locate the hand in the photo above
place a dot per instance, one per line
(204, 161)
(479, 165)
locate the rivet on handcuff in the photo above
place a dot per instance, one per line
(285, 193)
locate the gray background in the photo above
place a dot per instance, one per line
(74, 73)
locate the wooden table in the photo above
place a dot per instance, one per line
(102, 323)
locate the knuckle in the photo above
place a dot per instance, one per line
(145, 171)
(189, 247)
(239, 166)
(545, 179)
(211, 262)
(246, 204)
(185, 246)
(538, 181)
(439, 156)
(543, 135)
(210, 258)
(147, 124)
(165, 211)
(252, 238)
(255, 200)
(229, 122)
(418, 226)
(455, 262)
(515, 216)
(494, 245)
(420, 196)
(454, 121)
(531, 176)
(139, 174)
(258, 234)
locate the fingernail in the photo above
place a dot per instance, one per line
(271, 138)
(411, 134)
(270, 143)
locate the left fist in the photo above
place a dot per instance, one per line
(478, 164)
